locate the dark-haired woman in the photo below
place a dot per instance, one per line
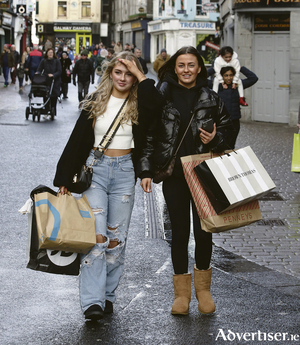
(231, 96)
(182, 92)
(51, 67)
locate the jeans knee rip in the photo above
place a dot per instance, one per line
(126, 198)
(97, 210)
(116, 253)
(97, 252)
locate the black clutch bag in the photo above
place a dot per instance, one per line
(82, 180)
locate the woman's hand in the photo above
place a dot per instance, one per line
(63, 190)
(50, 75)
(146, 184)
(206, 137)
(234, 86)
(131, 66)
(225, 86)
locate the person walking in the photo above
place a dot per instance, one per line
(118, 47)
(20, 74)
(13, 70)
(230, 95)
(7, 62)
(138, 54)
(33, 61)
(65, 73)
(24, 59)
(85, 71)
(51, 67)
(182, 92)
(111, 195)
(48, 45)
(160, 60)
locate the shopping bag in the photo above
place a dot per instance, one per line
(45, 260)
(233, 179)
(210, 220)
(296, 153)
(64, 223)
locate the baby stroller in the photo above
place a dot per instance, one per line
(41, 86)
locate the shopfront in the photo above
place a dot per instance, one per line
(75, 36)
(267, 41)
(173, 34)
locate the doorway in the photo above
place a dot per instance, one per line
(83, 40)
(271, 59)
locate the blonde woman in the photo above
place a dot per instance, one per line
(111, 194)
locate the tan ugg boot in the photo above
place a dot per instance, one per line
(202, 280)
(182, 292)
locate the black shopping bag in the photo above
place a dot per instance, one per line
(45, 260)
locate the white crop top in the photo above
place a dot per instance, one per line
(123, 139)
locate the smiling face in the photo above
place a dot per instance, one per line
(122, 81)
(187, 69)
(50, 54)
(228, 77)
(227, 57)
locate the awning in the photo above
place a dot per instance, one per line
(2, 32)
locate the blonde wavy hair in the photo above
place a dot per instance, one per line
(96, 102)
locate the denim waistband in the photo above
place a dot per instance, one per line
(108, 159)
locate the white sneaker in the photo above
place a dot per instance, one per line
(45, 117)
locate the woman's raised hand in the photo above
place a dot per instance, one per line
(132, 67)
(63, 190)
(206, 137)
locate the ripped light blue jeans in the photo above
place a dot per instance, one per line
(111, 197)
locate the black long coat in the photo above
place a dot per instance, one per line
(52, 66)
(65, 65)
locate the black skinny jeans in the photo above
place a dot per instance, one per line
(178, 199)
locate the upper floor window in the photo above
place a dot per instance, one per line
(199, 11)
(62, 8)
(86, 9)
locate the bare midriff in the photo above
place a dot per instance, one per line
(115, 152)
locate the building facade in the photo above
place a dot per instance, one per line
(265, 34)
(74, 23)
(129, 23)
(178, 23)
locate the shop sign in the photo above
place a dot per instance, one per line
(7, 19)
(198, 25)
(155, 27)
(71, 28)
(4, 3)
(241, 4)
(272, 22)
(136, 25)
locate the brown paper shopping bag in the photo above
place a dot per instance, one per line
(210, 220)
(64, 223)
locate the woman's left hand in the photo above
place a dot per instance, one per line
(50, 75)
(206, 137)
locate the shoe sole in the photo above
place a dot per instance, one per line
(176, 313)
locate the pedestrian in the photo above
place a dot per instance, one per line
(228, 57)
(85, 71)
(182, 92)
(160, 60)
(65, 73)
(48, 45)
(127, 47)
(70, 54)
(59, 52)
(20, 71)
(112, 45)
(24, 59)
(230, 95)
(118, 47)
(33, 61)
(111, 195)
(51, 67)
(7, 62)
(138, 54)
(13, 71)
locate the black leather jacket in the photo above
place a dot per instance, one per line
(162, 133)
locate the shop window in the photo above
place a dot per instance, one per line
(208, 47)
(86, 9)
(62, 9)
(37, 8)
(199, 11)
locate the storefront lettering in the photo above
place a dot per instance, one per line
(71, 28)
(197, 25)
(264, 3)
